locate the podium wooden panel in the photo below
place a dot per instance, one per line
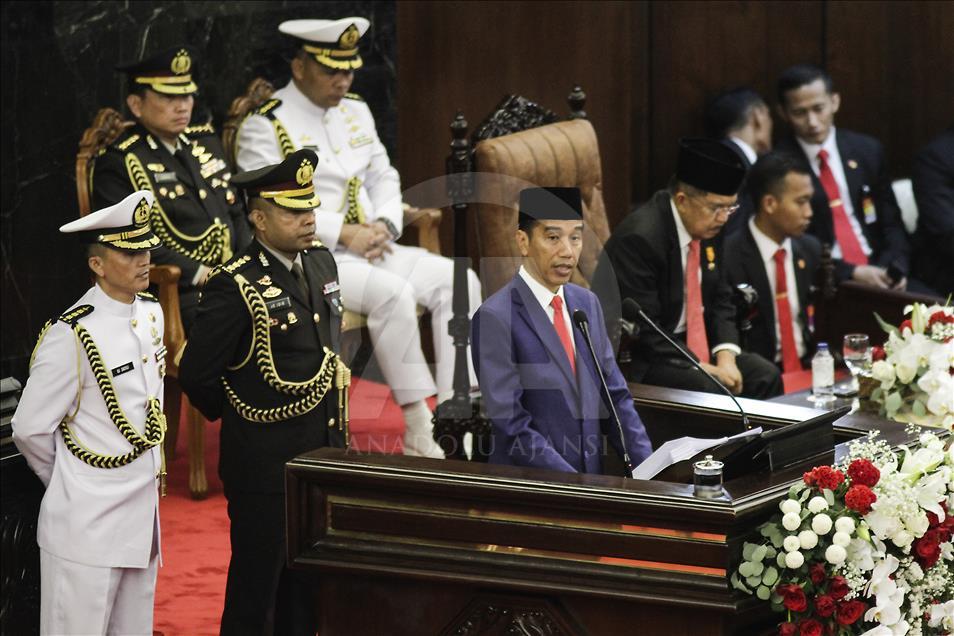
(399, 545)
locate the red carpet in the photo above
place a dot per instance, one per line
(195, 534)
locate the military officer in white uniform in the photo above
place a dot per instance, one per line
(361, 215)
(90, 425)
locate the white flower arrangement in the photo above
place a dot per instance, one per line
(914, 371)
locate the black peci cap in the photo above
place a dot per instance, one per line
(709, 165)
(557, 204)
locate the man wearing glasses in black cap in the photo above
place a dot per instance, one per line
(667, 256)
(197, 214)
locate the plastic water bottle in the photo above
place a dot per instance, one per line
(823, 375)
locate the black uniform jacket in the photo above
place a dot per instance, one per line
(193, 190)
(642, 261)
(932, 177)
(253, 455)
(865, 167)
(744, 265)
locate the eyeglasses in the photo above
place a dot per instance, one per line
(715, 210)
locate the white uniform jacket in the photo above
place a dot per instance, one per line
(105, 517)
(346, 141)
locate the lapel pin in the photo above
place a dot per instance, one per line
(852, 164)
(801, 263)
(265, 280)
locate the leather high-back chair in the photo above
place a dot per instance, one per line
(521, 145)
(107, 125)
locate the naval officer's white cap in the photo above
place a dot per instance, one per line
(123, 226)
(333, 43)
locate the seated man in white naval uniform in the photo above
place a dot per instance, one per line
(90, 425)
(361, 215)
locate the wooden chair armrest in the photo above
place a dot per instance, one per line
(427, 221)
(167, 278)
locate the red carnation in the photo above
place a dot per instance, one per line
(788, 629)
(793, 597)
(838, 588)
(816, 572)
(859, 498)
(824, 605)
(941, 317)
(863, 472)
(905, 324)
(877, 353)
(849, 611)
(824, 477)
(927, 549)
(810, 627)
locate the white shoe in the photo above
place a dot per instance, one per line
(419, 432)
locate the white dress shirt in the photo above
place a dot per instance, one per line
(684, 240)
(544, 296)
(767, 248)
(837, 169)
(746, 149)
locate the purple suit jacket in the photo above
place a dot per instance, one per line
(544, 415)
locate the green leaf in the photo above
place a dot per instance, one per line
(804, 496)
(757, 569)
(758, 555)
(780, 560)
(770, 577)
(918, 408)
(892, 403)
(770, 552)
(876, 395)
(748, 549)
(763, 593)
(745, 569)
(829, 497)
(887, 328)
(737, 584)
(753, 581)
(796, 488)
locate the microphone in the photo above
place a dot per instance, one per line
(632, 311)
(579, 317)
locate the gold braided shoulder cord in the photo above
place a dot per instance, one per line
(355, 211)
(312, 391)
(155, 420)
(212, 247)
(284, 141)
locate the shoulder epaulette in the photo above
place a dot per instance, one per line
(267, 108)
(147, 296)
(205, 129)
(354, 96)
(72, 316)
(315, 244)
(237, 264)
(126, 143)
(184, 139)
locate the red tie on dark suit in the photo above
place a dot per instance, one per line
(851, 251)
(695, 320)
(783, 313)
(562, 332)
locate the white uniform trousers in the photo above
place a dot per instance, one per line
(77, 599)
(388, 292)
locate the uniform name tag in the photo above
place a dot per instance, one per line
(165, 177)
(278, 303)
(121, 369)
(331, 287)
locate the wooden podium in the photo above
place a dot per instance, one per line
(399, 545)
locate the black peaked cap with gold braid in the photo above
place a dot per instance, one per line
(168, 71)
(123, 226)
(289, 184)
(333, 43)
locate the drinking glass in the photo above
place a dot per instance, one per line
(857, 354)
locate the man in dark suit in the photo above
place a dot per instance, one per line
(740, 117)
(262, 356)
(854, 206)
(667, 255)
(196, 213)
(774, 255)
(540, 387)
(933, 180)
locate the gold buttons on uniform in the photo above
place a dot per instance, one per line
(337, 150)
(163, 191)
(284, 327)
(203, 193)
(145, 359)
(331, 422)
(180, 190)
(152, 317)
(316, 318)
(135, 323)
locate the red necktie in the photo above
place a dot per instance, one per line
(851, 251)
(695, 320)
(560, 325)
(783, 313)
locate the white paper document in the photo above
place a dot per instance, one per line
(677, 450)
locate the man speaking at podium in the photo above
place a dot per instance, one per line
(540, 386)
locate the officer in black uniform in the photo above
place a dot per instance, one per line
(263, 357)
(197, 213)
